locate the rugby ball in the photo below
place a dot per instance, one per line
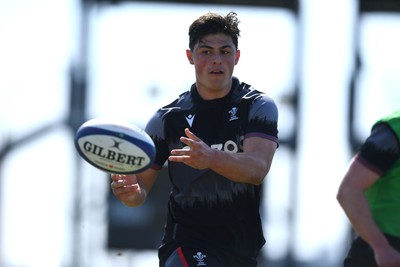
(115, 146)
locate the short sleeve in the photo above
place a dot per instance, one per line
(263, 119)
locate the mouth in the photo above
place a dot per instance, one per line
(216, 72)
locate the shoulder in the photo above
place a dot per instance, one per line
(248, 92)
(383, 137)
(381, 149)
(393, 122)
(181, 103)
(260, 104)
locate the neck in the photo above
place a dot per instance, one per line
(208, 93)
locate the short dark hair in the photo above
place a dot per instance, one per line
(212, 23)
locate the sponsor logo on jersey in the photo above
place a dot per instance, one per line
(228, 146)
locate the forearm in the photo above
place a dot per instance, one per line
(250, 166)
(358, 211)
(352, 198)
(240, 167)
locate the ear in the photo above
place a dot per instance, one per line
(237, 57)
(189, 56)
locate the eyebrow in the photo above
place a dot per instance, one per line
(210, 47)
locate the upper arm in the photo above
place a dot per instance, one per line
(378, 153)
(357, 178)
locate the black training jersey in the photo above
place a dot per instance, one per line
(203, 197)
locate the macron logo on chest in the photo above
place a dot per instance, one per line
(189, 118)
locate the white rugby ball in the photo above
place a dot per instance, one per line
(115, 146)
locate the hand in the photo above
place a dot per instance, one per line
(199, 155)
(127, 189)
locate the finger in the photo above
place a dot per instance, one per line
(191, 135)
(117, 184)
(116, 177)
(180, 152)
(176, 158)
(113, 177)
(187, 141)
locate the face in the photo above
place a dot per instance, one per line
(214, 58)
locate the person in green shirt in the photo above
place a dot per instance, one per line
(370, 197)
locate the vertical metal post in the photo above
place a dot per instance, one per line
(77, 115)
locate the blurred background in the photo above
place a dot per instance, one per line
(331, 66)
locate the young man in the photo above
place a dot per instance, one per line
(219, 139)
(370, 197)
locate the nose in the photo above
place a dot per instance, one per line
(217, 59)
